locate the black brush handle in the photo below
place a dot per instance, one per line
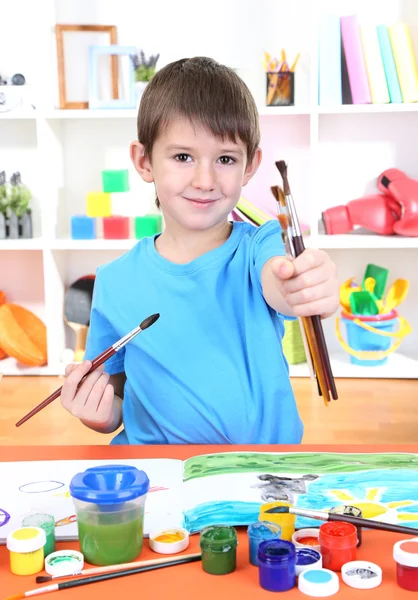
(319, 332)
(369, 524)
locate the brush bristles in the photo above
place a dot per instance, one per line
(278, 194)
(284, 222)
(43, 578)
(281, 165)
(16, 597)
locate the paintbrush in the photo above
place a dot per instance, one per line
(96, 362)
(112, 568)
(54, 587)
(299, 246)
(358, 521)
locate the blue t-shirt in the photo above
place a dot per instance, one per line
(211, 370)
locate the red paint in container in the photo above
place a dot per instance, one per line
(338, 541)
(405, 554)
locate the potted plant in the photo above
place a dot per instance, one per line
(4, 202)
(19, 212)
(144, 71)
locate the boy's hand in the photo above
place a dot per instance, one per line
(93, 402)
(308, 284)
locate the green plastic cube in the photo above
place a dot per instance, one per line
(115, 181)
(147, 226)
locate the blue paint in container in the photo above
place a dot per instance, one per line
(307, 558)
(277, 565)
(259, 532)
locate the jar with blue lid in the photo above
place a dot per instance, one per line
(110, 502)
(259, 532)
(277, 565)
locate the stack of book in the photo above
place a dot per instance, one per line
(365, 64)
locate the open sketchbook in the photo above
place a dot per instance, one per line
(226, 488)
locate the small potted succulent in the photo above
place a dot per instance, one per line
(19, 214)
(144, 70)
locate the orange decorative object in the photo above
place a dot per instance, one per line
(2, 301)
(22, 335)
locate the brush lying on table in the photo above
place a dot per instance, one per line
(357, 521)
(312, 326)
(96, 362)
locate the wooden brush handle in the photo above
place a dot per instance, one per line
(316, 357)
(369, 524)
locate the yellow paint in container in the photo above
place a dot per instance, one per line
(26, 546)
(285, 520)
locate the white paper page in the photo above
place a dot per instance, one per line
(44, 487)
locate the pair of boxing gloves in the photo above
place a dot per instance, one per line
(395, 211)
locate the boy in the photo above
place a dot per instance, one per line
(211, 369)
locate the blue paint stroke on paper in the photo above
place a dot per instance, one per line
(4, 517)
(40, 487)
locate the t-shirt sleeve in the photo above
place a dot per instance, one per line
(268, 243)
(101, 333)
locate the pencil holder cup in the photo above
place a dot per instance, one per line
(370, 339)
(109, 502)
(280, 90)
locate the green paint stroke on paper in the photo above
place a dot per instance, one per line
(320, 463)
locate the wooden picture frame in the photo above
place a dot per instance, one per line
(59, 31)
(114, 51)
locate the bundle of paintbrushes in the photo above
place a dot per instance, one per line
(311, 327)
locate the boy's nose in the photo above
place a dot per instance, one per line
(204, 178)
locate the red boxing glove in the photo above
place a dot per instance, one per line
(405, 191)
(378, 212)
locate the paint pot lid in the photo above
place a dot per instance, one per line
(109, 484)
(318, 583)
(308, 532)
(169, 547)
(26, 539)
(64, 562)
(361, 574)
(405, 552)
(307, 558)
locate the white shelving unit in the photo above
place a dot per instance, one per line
(334, 153)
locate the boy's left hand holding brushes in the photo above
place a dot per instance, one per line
(302, 287)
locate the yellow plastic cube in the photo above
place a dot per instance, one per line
(99, 204)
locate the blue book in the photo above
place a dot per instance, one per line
(389, 65)
(329, 62)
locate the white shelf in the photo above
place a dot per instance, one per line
(9, 366)
(22, 244)
(360, 241)
(352, 109)
(17, 115)
(98, 244)
(398, 366)
(91, 114)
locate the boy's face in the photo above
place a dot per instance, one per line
(198, 177)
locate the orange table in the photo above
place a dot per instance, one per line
(189, 581)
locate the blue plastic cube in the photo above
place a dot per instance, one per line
(83, 227)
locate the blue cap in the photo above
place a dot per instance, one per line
(109, 484)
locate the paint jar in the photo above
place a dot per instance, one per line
(351, 511)
(405, 554)
(64, 562)
(338, 541)
(169, 541)
(277, 565)
(219, 549)
(109, 502)
(307, 558)
(26, 546)
(318, 583)
(285, 520)
(307, 538)
(47, 523)
(260, 532)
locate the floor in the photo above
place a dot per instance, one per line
(369, 411)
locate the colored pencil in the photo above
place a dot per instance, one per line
(357, 521)
(96, 362)
(112, 568)
(55, 587)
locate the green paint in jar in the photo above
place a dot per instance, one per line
(219, 549)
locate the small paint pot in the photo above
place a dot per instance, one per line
(405, 554)
(307, 538)
(169, 541)
(26, 546)
(64, 562)
(318, 583)
(351, 511)
(285, 520)
(338, 541)
(260, 532)
(307, 558)
(361, 574)
(45, 522)
(277, 565)
(219, 549)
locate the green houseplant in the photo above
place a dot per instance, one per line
(18, 208)
(4, 202)
(144, 71)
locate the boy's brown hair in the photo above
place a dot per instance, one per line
(205, 92)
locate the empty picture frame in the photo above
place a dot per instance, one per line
(60, 30)
(126, 82)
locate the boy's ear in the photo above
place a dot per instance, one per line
(252, 166)
(141, 162)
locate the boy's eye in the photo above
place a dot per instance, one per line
(182, 157)
(226, 160)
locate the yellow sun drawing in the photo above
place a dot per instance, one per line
(372, 508)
